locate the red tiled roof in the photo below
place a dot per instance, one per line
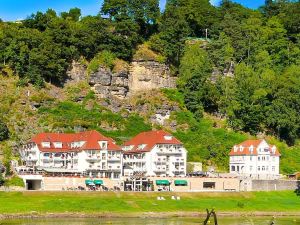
(246, 148)
(91, 139)
(150, 139)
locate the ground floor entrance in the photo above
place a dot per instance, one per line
(139, 184)
(33, 184)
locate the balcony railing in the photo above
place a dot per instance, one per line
(93, 158)
(113, 158)
(170, 151)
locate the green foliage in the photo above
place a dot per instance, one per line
(66, 116)
(15, 181)
(4, 132)
(174, 95)
(204, 142)
(2, 180)
(105, 59)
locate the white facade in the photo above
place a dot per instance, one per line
(54, 157)
(165, 159)
(258, 160)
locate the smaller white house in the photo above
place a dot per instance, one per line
(154, 153)
(255, 159)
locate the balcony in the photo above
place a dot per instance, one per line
(31, 158)
(169, 151)
(160, 169)
(93, 158)
(113, 159)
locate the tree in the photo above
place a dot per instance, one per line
(73, 14)
(144, 13)
(199, 93)
(221, 52)
(283, 113)
(4, 132)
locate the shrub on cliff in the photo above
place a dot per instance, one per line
(104, 58)
(4, 132)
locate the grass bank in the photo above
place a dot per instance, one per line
(89, 203)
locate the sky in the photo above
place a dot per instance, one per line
(11, 10)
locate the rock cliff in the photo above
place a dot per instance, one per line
(141, 76)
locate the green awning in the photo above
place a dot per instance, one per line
(181, 182)
(88, 182)
(162, 182)
(98, 182)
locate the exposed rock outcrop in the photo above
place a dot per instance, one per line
(148, 75)
(107, 84)
(141, 76)
(77, 72)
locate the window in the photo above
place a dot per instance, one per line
(263, 168)
(250, 158)
(273, 168)
(232, 168)
(103, 144)
(258, 158)
(46, 144)
(57, 145)
(258, 168)
(209, 185)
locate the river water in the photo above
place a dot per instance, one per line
(150, 221)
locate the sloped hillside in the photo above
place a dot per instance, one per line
(28, 110)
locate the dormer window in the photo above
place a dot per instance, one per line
(235, 148)
(103, 144)
(46, 144)
(57, 144)
(241, 148)
(251, 148)
(141, 147)
(168, 137)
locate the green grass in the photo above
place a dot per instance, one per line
(67, 115)
(95, 202)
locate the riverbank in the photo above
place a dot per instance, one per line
(128, 204)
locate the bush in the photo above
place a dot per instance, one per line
(15, 181)
(146, 54)
(104, 58)
(4, 132)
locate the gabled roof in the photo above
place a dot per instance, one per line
(246, 148)
(149, 139)
(91, 139)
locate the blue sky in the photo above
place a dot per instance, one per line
(11, 10)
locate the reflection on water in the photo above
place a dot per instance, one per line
(149, 221)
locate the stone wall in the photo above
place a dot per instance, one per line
(275, 185)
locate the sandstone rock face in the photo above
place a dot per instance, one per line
(142, 76)
(107, 84)
(78, 72)
(148, 75)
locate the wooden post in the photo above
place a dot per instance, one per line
(209, 214)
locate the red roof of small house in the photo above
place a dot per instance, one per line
(91, 139)
(246, 148)
(150, 139)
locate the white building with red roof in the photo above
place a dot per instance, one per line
(256, 159)
(88, 153)
(154, 153)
